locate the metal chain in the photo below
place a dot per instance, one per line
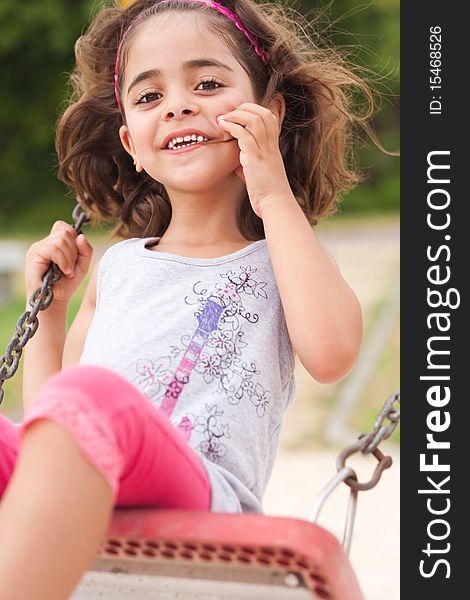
(366, 444)
(28, 322)
(383, 431)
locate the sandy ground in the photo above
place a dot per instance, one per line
(368, 259)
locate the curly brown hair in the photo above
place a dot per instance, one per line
(316, 138)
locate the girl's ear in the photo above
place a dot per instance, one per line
(126, 140)
(278, 107)
(128, 145)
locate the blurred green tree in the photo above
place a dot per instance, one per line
(36, 52)
(368, 34)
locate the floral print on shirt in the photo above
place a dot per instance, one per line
(215, 352)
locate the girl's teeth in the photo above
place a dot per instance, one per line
(187, 138)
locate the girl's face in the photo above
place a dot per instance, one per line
(180, 76)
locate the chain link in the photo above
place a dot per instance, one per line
(28, 323)
(383, 431)
(368, 443)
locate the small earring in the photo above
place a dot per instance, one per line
(137, 165)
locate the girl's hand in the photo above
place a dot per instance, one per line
(71, 253)
(261, 166)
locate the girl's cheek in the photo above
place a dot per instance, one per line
(224, 109)
(233, 104)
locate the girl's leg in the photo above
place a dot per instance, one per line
(145, 459)
(53, 516)
(91, 439)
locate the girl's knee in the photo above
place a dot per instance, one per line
(81, 400)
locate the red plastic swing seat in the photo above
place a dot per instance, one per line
(151, 553)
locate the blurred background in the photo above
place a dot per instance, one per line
(36, 54)
(36, 51)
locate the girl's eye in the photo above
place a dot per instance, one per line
(211, 84)
(147, 97)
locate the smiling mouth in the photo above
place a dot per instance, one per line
(187, 146)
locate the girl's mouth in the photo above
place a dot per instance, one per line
(184, 149)
(191, 147)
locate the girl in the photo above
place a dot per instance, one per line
(214, 135)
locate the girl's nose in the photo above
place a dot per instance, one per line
(176, 111)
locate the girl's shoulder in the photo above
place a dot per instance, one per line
(118, 254)
(123, 246)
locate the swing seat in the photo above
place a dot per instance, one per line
(166, 554)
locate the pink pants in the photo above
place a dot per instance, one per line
(143, 457)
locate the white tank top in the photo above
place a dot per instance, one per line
(205, 340)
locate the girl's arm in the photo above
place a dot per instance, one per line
(52, 348)
(44, 351)
(42, 356)
(322, 313)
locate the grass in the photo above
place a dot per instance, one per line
(9, 315)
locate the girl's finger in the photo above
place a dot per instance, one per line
(68, 248)
(246, 141)
(85, 253)
(62, 260)
(269, 119)
(250, 122)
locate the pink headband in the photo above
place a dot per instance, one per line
(216, 6)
